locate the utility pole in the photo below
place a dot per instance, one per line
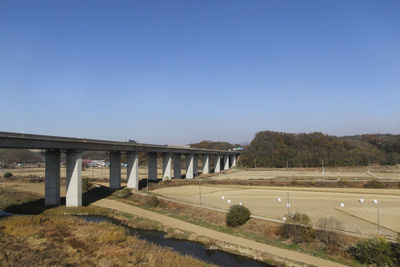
(377, 210)
(201, 203)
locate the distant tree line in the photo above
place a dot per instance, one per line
(214, 145)
(278, 149)
(11, 156)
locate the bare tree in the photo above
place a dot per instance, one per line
(326, 234)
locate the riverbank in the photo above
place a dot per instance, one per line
(269, 253)
(173, 237)
(44, 240)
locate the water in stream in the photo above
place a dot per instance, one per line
(193, 249)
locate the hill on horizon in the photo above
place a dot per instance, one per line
(279, 149)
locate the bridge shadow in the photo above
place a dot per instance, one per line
(38, 206)
(89, 197)
(145, 182)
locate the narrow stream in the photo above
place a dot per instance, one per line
(193, 249)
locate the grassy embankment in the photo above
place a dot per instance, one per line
(258, 230)
(57, 238)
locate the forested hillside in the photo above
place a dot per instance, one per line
(276, 149)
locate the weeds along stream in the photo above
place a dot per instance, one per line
(185, 247)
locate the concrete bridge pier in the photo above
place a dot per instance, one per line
(217, 167)
(74, 179)
(233, 161)
(226, 162)
(115, 169)
(177, 166)
(152, 166)
(206, 164)
(132, 170)
(195, 165)
(189, 166)
(52, 178)
(166, 166)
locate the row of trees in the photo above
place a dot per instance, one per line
(277, 149)
(11, 156)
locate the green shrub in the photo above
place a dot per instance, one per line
(396, 253)
(153, 201)
(374, 184)
(124, 193)
(298, 228)
(373, 251)
(237, 215)
(8, 175)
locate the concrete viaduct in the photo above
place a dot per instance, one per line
(73, 147)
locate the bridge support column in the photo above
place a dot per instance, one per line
(189, 166)
(132, 175)
(52, 178)
(152, 166)
(177, 166)
(74, 179)
(166, 166)
(233, 161)
(195, 165)
(115, 169)
(226, 162)
(206, 164)
(217, 167)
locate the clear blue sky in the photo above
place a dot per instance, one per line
(185, 71)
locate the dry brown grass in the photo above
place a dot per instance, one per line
(63, 240)
(261, 230)
(10, 196)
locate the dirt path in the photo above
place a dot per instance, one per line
(212, 234)
(198, 230)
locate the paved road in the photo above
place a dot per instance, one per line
(212, 234)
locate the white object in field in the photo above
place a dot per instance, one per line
(284, 218)
(375, 201)
(361, 200)
(240, 203)
(222, 197)
(229, 201)
(288, 205)
(342, 205)
(279, 199)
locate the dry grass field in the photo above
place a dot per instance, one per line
(356, 217)
(316, 202)
(315, 174)
(98, 173)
